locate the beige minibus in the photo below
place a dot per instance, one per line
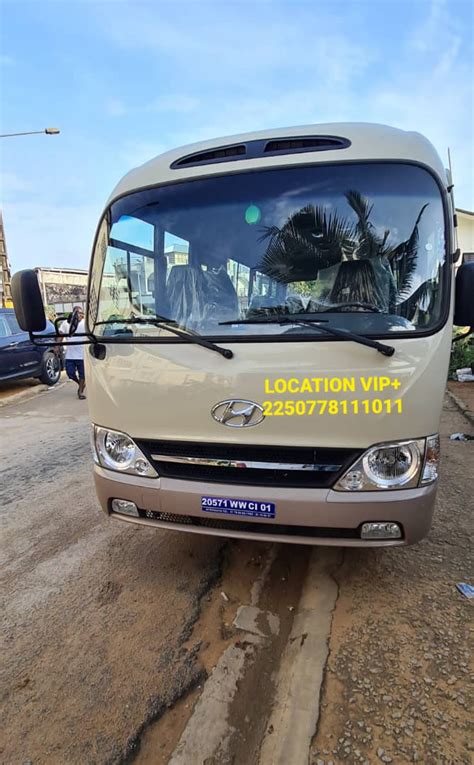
(269, 324)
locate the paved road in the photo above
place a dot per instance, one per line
(107, 626)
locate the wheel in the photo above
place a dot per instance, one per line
(51, 369)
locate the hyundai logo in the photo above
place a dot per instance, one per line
(238, 413)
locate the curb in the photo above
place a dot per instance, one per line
(294, 719)
(461, 406)
(29, 393)
(208, 730)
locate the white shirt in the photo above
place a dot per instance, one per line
(72, 353)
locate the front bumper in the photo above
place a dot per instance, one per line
(303, 516)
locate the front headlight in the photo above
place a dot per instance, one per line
(386, 466)
(391, 466)
(117, 451)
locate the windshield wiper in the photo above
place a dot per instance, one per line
(315, 324)
(172, 326)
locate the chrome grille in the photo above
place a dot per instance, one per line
(251, 465)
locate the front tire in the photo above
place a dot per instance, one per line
(50, 369)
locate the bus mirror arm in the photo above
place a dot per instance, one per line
(53, 340)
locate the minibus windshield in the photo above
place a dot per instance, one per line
(360, 245)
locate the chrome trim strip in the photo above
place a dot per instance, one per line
(321, 468)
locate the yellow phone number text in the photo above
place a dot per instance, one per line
(332, 406)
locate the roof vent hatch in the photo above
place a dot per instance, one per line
(311, 143)
(261, 148)
(209, 157)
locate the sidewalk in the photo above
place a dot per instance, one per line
(14, 391)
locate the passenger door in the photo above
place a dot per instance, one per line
(25, 357)
(5, 351)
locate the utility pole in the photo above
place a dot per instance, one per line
(5, 274)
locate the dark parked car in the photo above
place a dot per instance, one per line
(19, 357)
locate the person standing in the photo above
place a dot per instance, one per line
(74, 354)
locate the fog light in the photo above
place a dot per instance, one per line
(124, 507)
(382, 530)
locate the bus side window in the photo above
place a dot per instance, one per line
(239, 274)
(176, 251)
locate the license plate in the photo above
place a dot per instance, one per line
(231, 506)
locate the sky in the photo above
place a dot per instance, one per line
(126, 80)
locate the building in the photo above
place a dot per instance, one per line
(62, 288)
(5, 273)
(465, 234)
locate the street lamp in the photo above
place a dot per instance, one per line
(48, 131)
(5, 296)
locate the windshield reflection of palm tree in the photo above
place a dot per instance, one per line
(356, 284)
(312, 240)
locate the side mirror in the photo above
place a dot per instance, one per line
(464, 297)
(28, 302)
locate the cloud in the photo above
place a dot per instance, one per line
(133, 153)
(165, 74)
(44, 234)
(422, 38)
(238, 44)
(50, 180)
(178, 102)
(12, 184)
(320, 65)
(433, 94)
(175, 103)
(115, 107)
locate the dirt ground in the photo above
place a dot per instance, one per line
(464, 391)
(398, 685)
(105, 626)
(109, 631)
(94, 614)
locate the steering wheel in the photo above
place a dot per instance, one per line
(353, 304)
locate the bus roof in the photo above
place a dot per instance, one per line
(338, 142)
